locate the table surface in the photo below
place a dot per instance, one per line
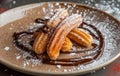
(110, 6)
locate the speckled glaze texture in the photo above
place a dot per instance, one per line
(22, 18)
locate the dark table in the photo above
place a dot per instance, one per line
(110, 6)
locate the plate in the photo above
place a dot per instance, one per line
(22, 18)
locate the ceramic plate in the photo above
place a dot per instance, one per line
(22, 18)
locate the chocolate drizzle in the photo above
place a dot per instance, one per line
(45, 27)
(97, 47)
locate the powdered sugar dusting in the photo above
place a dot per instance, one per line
(18, 57)
(14, 2)
(6, 48)
(56, 15)
(28, 59)
(58, 66)
(44, 10)
(110, 6)
(70, 19)
(65, 70)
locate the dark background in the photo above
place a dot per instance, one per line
(110, 6)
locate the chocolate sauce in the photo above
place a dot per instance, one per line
(17, 36)
(39, 20)
(45, 28)
(98, 48)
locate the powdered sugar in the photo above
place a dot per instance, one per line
(65, 70)
(58, 66)
(28, 59)
(44, 10)
(14, 2)
(6, 48)
(109, 6)
(56, 15)
(18, 57)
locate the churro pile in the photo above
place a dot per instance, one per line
(59, 33)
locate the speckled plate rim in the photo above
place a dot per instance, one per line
(32, 72)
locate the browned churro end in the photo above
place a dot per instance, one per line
(67, 45)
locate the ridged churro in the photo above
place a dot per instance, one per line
(81, 37)
(42, 39)
(61, 31)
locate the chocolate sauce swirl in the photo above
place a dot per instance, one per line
(97, 48)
